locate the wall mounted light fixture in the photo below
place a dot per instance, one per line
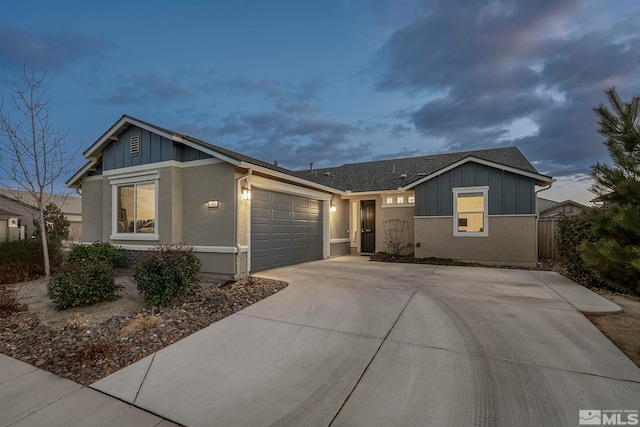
(212, 204)
(333, 208)
(245, 194)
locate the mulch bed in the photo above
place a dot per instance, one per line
(86, 353)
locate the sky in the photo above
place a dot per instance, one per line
(336, 81)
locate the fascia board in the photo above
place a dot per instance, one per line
(537, 177)
(290, 178)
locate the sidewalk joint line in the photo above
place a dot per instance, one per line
(153, 357)
(344, 402)
(48, 404)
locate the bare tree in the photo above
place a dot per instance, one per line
(32, 154)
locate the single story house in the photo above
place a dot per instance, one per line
(9, 230)
(550, 208)
(23, 205)
(143, 185)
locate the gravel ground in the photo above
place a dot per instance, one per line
(621, 328)
(88, 343)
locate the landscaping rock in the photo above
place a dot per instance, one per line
(85, 352)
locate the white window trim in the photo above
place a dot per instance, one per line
(394, 197)
(485, 192)
(131, 180)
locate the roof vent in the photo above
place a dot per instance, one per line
(328, 174)
(403, 176)
(134, 144)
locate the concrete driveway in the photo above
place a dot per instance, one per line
(352, 342)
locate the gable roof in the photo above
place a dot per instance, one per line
(94, 152)
(7, 214)
(546, 205)
(387, 175)
(375, 176)
(69, 205)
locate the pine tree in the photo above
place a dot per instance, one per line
(615, 257)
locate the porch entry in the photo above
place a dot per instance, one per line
(368, 226)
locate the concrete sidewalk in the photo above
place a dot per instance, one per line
(32, 397)
(351, 342)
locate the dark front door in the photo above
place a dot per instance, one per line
(368, 228)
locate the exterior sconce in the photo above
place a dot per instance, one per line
(246, 194)
(213, 204)
(333, 208)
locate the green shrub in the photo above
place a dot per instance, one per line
(82, 282)
(95, 252)
(166, 273)
(22, 260)
(572, 231)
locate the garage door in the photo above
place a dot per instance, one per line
(285, 229)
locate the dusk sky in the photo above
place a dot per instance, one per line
(335, 82)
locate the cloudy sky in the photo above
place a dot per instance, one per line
(333, 81)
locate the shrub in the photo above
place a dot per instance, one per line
(82, 282)
(95, 252)
(22, 260)
(10, 295)
(572, 231)
(166, 273)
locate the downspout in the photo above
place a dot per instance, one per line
(236, 222)
(538, 215)
(543, 189)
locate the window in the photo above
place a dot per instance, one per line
(135, 211)
(470, 211)
(397, 200)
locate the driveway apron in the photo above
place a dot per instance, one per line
(352, 342)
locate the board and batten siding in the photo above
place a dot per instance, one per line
(509, 193)
(153, 149)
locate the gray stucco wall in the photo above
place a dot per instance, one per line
(153, 148)
(183, 215)
(512, 240)
(509, 194)
(339, 220)
(92, 211)
(394, 223)
(200, 224)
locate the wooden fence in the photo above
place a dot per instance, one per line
(547, 238)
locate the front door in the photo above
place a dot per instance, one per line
(368, 227)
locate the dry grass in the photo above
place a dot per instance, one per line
(10, 299)
(142, 325)
(621, 328)
(97, 350)
(78, 322)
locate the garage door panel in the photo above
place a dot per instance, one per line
(281, 214)
(285, 230)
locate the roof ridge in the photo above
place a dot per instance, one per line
(450, 153)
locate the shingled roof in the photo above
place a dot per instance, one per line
(386, 175)
(382, 175)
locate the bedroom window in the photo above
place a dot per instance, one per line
(470, 207)
(135, 208)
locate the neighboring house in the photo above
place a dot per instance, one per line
(550, 208)
(9, 230)
(144, 185)
(23, 204)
